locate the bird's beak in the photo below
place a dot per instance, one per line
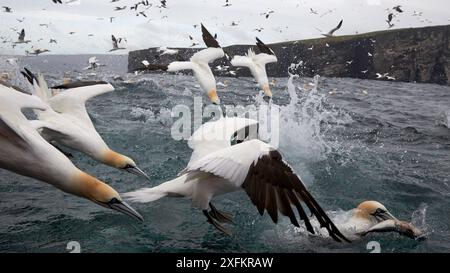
(267, 92)
(387, 216)
(122, 207)
(138, 172)
(212, 94)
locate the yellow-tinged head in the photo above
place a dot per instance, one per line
(372, 210)
(212, 94)
(122, 162)
(91, 188)
(266, 89)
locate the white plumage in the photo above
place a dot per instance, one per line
(67, 122)
(227, 157)
(199, 64)
(24, 151)
(257, 65)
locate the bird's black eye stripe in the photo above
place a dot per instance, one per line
(128, 166)
(378, 211)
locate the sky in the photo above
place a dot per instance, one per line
(171, 26)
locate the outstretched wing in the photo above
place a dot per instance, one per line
(263, 48)
(114, 41)
(71, 100)
(207, 55)
(209, 40)
(269, 182)
(22, 35)
(336, 28)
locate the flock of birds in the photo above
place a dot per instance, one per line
(227, 154)
(141, 7)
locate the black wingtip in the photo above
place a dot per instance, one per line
(28, 75)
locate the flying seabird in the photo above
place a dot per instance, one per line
(93, 64)
(398, 9)
(7, 9)
(228, 157)
(115, 43)
(267, 14)
(120, 8)
(226, 4)
(257, 64)
(67, 122)
(199, 64)
(330, 33)
(389, 20)
(36, 51)
(25, 152)
(57, 1)
(313, 11)
(52, 41)
(167, 51)
(21, 39)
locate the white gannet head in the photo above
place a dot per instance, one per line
(373, 211)
(122, 162)
(91, 188)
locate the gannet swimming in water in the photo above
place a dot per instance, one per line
(257, 65)
(67, 121)
(227, 157)
(372, 216)
(25, 152)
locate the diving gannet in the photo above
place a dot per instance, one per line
(25, 152)
(257, 65)
(67, 121)
(228, 157)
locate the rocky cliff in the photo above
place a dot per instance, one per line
(415, 54)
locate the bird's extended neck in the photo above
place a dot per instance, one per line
(91, 188)
(113, 159)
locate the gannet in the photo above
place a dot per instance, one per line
(21, 39)
(67, 121)
(372, 216)
(115, 44)
(167, 51)
(257, 65)
(24, 151)
(93, 64)
(228, 157)
(389, 20)
(36, 51)
(331, 32)
(199, 64)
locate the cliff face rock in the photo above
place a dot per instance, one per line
(415, 54)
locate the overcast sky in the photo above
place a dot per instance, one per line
(171, 26)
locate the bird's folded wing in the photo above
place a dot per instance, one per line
(208, 55)
(71, 99)
(269, 182)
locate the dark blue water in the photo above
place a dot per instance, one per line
(350, 140)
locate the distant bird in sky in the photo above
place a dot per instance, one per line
(36, 51)
(389, 20)
(258, 29)
(111, 19)
(120, 8)
(226, 4)
(141, 13)
(331, 32)
(115, 44)
(7, 9)
(234, 24)
(398, 8)
(415, 13)
(72, 32)
(313, 11)
(43, 25)
(21, 39)
(267, 14)
(21, 20)
(52, 41)
(57, 1)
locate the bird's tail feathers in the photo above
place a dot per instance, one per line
(174, 188)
